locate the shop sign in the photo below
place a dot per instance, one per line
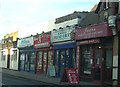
(70, 75)
(93, 41)
(94, 31)
(41, 41)
(25, 42)
(61, 35)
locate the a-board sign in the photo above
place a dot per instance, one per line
(51, 70)
(70, 75)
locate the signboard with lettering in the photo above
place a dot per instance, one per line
(94, 31)
(92, 41)
(42, 41)
(70, 75)
(25, 42)
(61, 34)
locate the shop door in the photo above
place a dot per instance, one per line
(102, 71)
(97, 68)
(107, 74)
(64, 60)
(45, 62)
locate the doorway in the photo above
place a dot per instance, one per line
(102, 65)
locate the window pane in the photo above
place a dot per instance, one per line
(39, 62)
(109, 58)
(3, 55)
(87, 60)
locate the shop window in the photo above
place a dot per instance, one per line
(86, 60)
(98, 56)
(32, 58)
(22, 61)
(62, 57)
(56, 59)
(26, 58)
(22, 57)
(67, 58)
(73, 57)
(109, 58)
(39, 62)
(45, 61)
(3, 55)
(14, 55)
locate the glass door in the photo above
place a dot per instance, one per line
(97, 69)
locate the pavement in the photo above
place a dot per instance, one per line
(42, 78)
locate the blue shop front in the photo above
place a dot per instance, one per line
(26, 54)
(63, 49)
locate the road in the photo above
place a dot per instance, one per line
(10, 80)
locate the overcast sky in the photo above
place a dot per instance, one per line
(32, 16)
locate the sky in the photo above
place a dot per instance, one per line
(32, 16)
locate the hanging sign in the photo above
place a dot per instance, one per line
(70, 75)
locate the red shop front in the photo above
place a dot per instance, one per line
(94, 53)
(43, 52)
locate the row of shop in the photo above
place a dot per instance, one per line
(88, 49)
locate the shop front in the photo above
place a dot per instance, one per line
(4, 59)
(64, 57)
(43, 52)
(95, 53)
(26, 54)
(5, 54)
(14, 54)
(63, 48)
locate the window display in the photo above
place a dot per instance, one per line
(32, 61)
(86, 60)
(39, 63)
(14, 55)
(45, 61)
(3, 55)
